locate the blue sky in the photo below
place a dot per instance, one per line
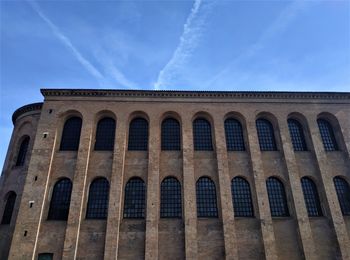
(201, 44)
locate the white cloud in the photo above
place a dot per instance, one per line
(105, 61)
(192, 31)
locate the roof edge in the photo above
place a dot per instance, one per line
(193, 94)
(26, 108)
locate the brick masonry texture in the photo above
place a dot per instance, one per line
(226, 237)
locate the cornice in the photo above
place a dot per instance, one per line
(25, 109)
(192, 94)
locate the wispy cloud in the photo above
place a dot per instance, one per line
(106, 62)
(67, 42)
(192, 31)
(283, 20)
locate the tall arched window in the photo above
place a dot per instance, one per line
(234, 135)
(171, 139)
(21, 156)
(135, 198)
(105, 134)
(10, 204)
(277, 197)
(60, 200)
(242, 198)
(138, 135)
(45, 256)
(97, 207)
(71, 134)
(266, 136)
(202, 135)
(206, 198)
(312, 201)
(327, 135)
(170, 198)
(343, 192)
(297, 135)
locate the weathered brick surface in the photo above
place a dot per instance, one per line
(226, 237)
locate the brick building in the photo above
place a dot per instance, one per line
(107, 174)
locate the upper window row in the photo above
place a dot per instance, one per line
(202, 135)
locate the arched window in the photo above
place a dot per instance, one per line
(327, 135)
(343, 192)
(170, 198)
(234, 135)
(138, 135)
(266, 136)
(312, 201)
(21, 156)
(242, 199)
(277, 197)
(45, 256)
(206, 198)
(10, 204)
(60, 200)
(171, 134)
(71, 134)
(105, 133)
(297, 135)
(97, 207)
(202, 135)
(135, 198)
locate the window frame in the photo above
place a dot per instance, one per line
(101, 199)
(71, 141)
(235, 141)
(140, 206)
(246, 196)
(202, 139)
(206, 202)
(171, 202)
(266, 137)
(175, 143)
(311, 197)
(55, 210)
(277, 199)
(103, 142)
(135, 135)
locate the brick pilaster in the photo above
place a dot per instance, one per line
(76, 214)
(116, 191)
(189, 188)
(153, 196)
(225, 192)
(331, 196)
(260, 187)
(307, 241)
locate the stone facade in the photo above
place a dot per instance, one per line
(225, 237)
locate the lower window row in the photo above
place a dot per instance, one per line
(206, 198)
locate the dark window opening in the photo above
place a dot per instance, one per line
(60, 200)
(206, 198)
(105, 134)
(327, 135)
(21, 156)
(242, 199)
(171, 139)
(234, 135)
(45, 256)
(9, 206)
(277, 198)
(71, 134)
(135, 198)
(343, 193)
(266, 135)
(170, 205)
(97, 207)
(297, 135)
(202, 135)
(312, 201)
(138, 135)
